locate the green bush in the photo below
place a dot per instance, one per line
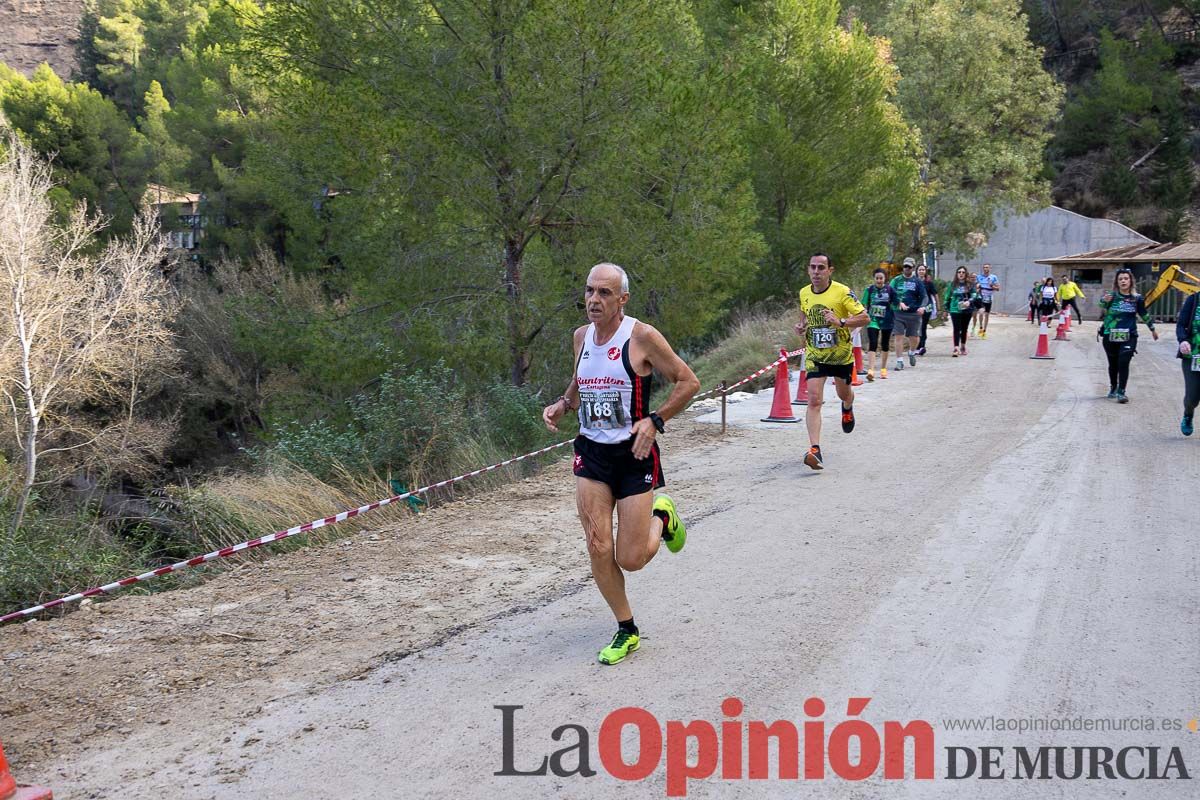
(316, 447)
(49, 557)
(416, 424)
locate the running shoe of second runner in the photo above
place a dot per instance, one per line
(912, 358)
(623, 643)
(899, 364)
(1185, 425)
(847, 419)
(1121, 398)
(812, 458)
(674, 534)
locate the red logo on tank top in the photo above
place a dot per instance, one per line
(614, 353)
(578, 465)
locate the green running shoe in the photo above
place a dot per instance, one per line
(674, 534)
(622, 645)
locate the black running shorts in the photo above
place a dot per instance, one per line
(615, 466)
(843, 372)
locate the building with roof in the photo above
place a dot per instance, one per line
(180, 215)
(1095, 270)
(1018, 245)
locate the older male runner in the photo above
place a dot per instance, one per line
(616, 455)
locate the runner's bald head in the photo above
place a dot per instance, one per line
(607, 271)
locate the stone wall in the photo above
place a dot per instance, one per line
(33, 31)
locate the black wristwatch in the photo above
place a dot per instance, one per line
(658, 422)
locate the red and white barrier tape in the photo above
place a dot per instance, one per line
(274, 537)
(308, 526)
(767, 368)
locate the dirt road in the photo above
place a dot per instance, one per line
(994, 540)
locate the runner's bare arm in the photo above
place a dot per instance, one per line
(859, 320)
(856, 321)
(656, 353)
(801, 326)
(570, 398)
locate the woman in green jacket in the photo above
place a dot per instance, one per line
(956, 304)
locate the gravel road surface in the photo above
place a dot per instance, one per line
(994, 542)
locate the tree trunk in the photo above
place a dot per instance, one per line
(518, 338)
(1062, 40)
(31, 431)
(30, 475)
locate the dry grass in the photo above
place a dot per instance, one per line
(232, 508)
(753, 341)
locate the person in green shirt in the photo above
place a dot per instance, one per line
(909, 299)
(877, 299)
(1187, 332)
(1122, 308)
(957, 304)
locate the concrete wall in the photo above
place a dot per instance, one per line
(1017, 242)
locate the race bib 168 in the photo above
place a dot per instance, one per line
(601, 410)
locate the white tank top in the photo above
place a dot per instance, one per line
(611, 395)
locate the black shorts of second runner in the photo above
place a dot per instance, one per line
(615, 466)
(840, 371)
(986, 305)
(878, 339)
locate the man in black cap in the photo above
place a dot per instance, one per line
(909, 298)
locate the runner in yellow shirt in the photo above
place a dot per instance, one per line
(1067, 294)
(828, 312)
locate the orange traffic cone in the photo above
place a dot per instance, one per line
(1060, 333)
(1067, 319)
(802, 388)
(8, 786)
(9, 789)
(781, 409)
(1043, 344)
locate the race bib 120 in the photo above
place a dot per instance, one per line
(878, 311)
(1118, 335)
(823, 338)
(1196, 363)
(601, 410)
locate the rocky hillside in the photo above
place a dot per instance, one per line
(33, 31)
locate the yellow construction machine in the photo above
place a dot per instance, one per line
(1173, 278)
